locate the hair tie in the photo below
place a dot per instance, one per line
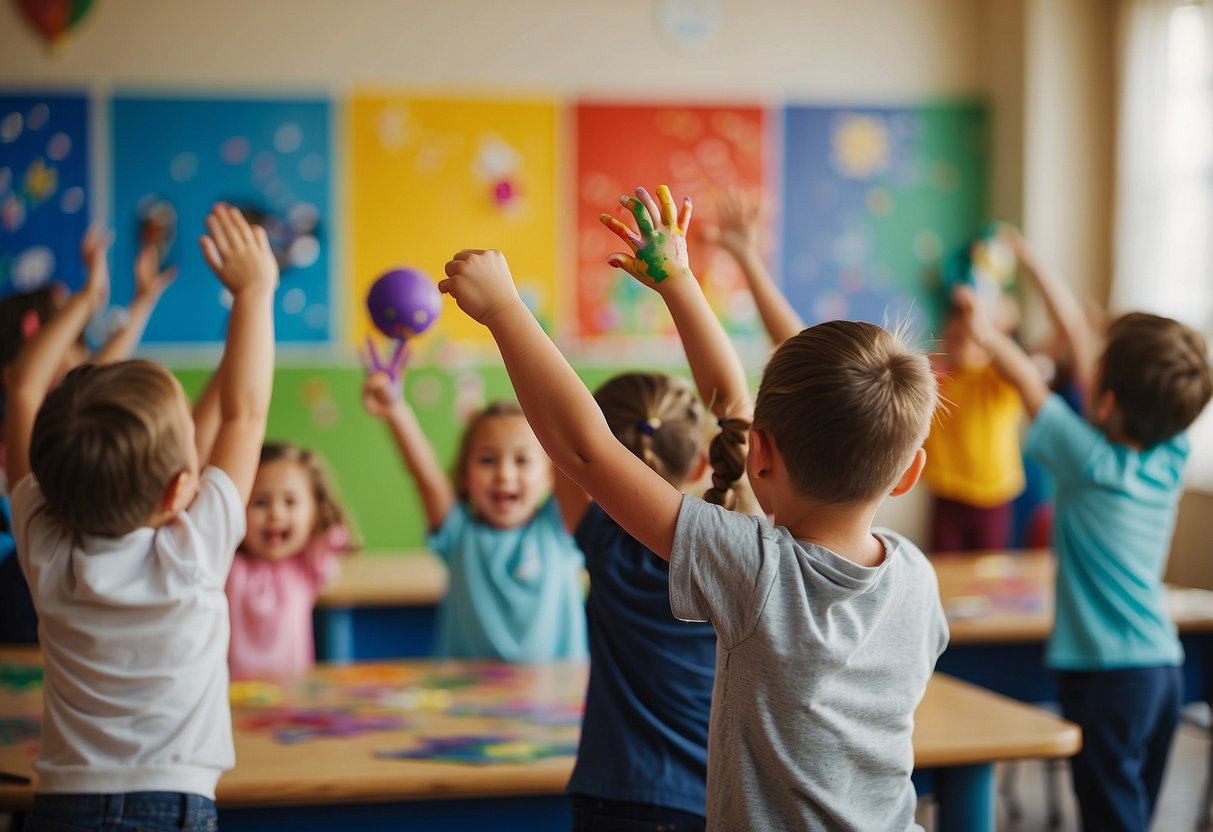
(649, 426)
(722, 421)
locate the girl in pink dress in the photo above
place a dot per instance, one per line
(296, 531)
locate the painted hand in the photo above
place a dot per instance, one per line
(659, 250)
(238, 253)
(480, 282)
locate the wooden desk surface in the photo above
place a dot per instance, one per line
(958, 724)
(1008, 597)
(372, 579)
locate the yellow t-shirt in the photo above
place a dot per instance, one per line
(973, 453)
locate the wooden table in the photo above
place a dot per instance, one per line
(328, 783)
(382, 606)
(1000, 612)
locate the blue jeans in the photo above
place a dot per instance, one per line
(130, 812)
(1128, 718)
(593, 815)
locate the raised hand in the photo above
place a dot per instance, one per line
(973, 314)
(150, 281)
(380, 393)
(659, 248)
(238, 253)
(94, 250)
(480, 282)
(738, 230)
(392, 369)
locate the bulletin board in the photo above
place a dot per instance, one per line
(172, 158)
(699, 151)
(44, 189)
(873, 199)
(431, 176)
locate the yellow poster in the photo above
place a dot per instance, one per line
(432, 176)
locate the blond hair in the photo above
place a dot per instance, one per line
(660, 420)
(107, 443)
(846, 404)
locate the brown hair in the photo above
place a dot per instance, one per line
(846, 403)
(490, 411)
(329, 512)
(659, 419)
(106, 443)
(1158, 370)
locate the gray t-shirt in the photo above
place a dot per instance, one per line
(820, 664)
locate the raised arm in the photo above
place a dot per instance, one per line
(659, 260)
(207, 418)
(1064, 309)
(41, 359)
(150, 284)
(563, 414)
(738, 234)
(240, 256)
(382, 398)
(1009, 358)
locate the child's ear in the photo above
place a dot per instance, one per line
(1105, 406)
(179, 492)
(911, 474)
(700, 467)
(759, 459)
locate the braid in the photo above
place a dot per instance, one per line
(727, 453)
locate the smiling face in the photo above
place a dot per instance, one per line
(507, 473)
(281, 511)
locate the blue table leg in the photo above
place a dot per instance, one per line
(964, 798)
(336, 631)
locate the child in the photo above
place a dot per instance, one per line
(126, 546)
(296, 530)
(643, 751)
(1119, 479)
(515, 573)
(21, 316)
(975, 468)
(826, 632)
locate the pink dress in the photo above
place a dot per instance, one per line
(271, 606)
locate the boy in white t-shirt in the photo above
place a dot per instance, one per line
(126, 548)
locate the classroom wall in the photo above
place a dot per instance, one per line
(1030, 60)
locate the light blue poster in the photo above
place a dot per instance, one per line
(174, 158)
(873, 200)
(43, 190)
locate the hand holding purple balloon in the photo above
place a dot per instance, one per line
(402, 303)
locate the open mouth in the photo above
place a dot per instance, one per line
(504, 503)
(274, 537)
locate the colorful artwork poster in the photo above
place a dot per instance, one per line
(174, 158)
(432, 176)
(873, 199)
(44, 184)
(699, 151)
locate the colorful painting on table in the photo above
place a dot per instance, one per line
(173, 158)
(431, 176)
(873, 199)
(44, 185)
(699, 151)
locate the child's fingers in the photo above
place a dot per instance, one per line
(211, 254)
(261, 237)
(669, 216)
(629, 264)
(370, 360)
(650, 204)
(684, 216)
(238, 227)
(622, 231)
(217, 226)
(643, 220)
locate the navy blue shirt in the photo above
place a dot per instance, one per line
(644, 738)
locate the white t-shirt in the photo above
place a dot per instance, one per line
(134, 634)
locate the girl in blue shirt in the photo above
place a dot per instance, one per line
(515, 573)
(643, 751)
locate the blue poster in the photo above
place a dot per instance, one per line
(873, 199)
(44, 181)
(174, 158)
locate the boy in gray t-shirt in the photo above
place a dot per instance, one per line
(827, 631)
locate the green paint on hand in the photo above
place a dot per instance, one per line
(653, 258)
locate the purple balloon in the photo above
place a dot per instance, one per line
(403, 303)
